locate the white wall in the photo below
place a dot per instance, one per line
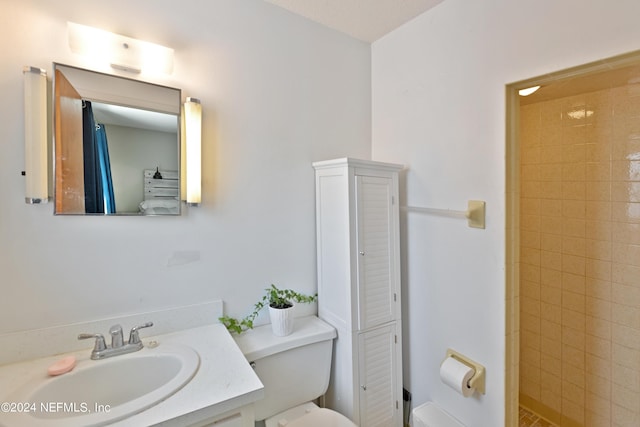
(439, 107)
(278, 92)
(131, 151)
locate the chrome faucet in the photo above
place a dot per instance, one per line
(117, 347)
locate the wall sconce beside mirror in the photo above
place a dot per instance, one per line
(117, 145)
(35, 135)
(193, 148)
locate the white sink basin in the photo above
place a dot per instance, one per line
(104, 391)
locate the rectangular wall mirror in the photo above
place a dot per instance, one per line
(117, 145)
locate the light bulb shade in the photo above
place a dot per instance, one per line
(193, 148)
(118, 51)
(35, 135)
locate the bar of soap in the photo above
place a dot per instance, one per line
(62, 366)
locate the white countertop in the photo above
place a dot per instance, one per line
(224, 381)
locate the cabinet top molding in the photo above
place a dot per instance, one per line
(350, 161)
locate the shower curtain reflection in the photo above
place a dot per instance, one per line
(98, 185)
(105, 169)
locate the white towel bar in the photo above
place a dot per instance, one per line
(475, 213)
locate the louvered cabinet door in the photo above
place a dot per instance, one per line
(358, 249)
(375, 246)
(379, 397)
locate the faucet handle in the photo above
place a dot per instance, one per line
(100, 344)
(134, 338)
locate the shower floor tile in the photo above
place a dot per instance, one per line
(529, 419)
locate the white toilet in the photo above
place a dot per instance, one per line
(295, 371)
(430, 415)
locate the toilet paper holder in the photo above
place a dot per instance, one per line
(477, 381)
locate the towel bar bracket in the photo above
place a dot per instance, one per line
(476, 213)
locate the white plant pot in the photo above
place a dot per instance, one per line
(281, 321)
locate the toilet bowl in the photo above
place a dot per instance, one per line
(430, 415)
(308, 415)
(295, 371)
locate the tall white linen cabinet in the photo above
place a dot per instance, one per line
(358, 250)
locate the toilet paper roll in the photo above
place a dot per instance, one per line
(456, 375)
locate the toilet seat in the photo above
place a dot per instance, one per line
(309, 415)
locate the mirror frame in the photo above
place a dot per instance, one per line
(112, 89)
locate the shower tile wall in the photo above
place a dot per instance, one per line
(580, 258)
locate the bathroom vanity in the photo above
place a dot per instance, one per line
(218, 387)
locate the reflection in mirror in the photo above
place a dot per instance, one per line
(116, 145)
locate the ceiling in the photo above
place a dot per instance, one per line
(366, 20)
(119, 115)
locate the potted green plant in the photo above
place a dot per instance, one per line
(280, 302)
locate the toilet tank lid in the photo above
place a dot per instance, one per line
(429, 414)
(260, 342)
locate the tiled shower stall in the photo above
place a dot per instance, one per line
(580, 258)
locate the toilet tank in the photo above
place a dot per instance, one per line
(431, 415)
(294, 369)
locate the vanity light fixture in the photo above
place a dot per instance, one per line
(192, 150)
(119, 52)
(35, 135)
(528, 91)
